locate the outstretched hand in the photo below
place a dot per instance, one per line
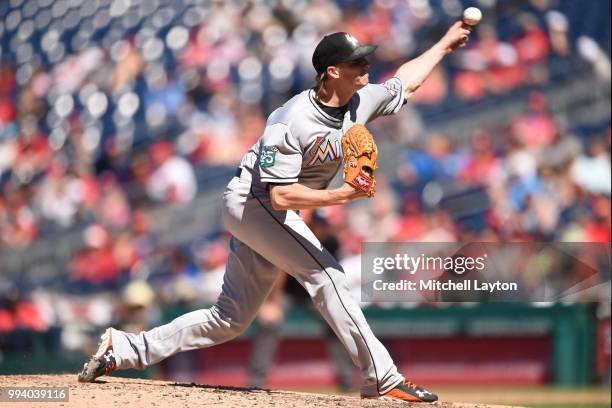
(456, 36)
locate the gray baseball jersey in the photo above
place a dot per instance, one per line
(301, 143)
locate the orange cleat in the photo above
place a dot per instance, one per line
(409, 392)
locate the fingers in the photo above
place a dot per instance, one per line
(466, 27)
(356, 193)
(461, 25)
(462, 32)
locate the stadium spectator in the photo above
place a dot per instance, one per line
(591, 171)
(211, 270)
(95, 266)
(173, 179)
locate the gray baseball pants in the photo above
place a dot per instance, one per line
(265, 241)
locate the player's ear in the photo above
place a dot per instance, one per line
(333, 72)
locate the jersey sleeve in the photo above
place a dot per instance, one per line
(381, 99)
(280, 156)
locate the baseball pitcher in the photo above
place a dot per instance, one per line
(305, 143)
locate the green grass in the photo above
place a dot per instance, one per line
(532, 397)
(572, 405)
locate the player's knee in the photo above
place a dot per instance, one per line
(234, 325)
(335, 282)
(237, 326)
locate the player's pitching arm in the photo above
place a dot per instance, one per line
(414, 72)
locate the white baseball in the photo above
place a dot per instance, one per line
(472, 16)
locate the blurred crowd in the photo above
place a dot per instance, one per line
(111, 108)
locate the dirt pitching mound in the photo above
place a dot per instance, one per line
(136, 393)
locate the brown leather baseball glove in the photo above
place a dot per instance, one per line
(360, 154)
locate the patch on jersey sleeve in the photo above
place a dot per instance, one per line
(267, 156)
(393, 85)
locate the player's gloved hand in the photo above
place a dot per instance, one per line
(350, 193)
(360, 154)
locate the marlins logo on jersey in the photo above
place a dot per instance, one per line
(322, 150)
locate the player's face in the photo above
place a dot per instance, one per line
(355, 73)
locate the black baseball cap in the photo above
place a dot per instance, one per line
(336, 48)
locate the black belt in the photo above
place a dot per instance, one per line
(238, 172)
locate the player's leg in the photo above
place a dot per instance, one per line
(326, 283)
(283, 238)
(247, 281)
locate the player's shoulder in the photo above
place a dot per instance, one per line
(291, 111)
(392, 85)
